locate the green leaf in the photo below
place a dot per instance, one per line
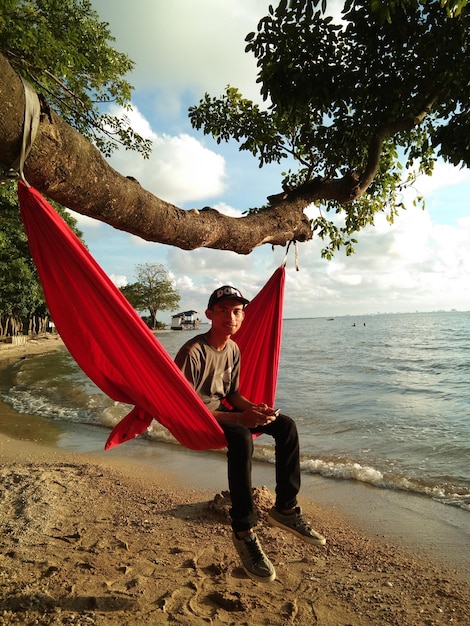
(68, 54)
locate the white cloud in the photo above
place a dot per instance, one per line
(444, 175)
(224, 208)
(118, 280)
(411, 265)
(179, 169)
(182, 46)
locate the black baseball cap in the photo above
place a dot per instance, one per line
(225, 292)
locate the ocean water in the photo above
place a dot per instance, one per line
(381, 399)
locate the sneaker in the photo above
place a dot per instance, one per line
(255, 563)
(296, 524)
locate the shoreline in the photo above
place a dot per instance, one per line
(411, 521)
(142, 537)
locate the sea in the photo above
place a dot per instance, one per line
(378, 399)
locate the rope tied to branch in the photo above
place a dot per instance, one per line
(32, 112)
(296, 254)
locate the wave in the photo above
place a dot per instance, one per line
(29, 402)
(446, 494)
(341, 469)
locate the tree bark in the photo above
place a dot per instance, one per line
(66, 167)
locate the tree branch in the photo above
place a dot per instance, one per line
(375, 147)
(69, 169)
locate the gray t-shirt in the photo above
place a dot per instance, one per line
(214, 374)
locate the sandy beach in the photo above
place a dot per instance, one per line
(103, 539)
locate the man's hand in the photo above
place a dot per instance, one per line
(258, 415)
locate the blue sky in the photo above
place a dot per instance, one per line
(183, 49)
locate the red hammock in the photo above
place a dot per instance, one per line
(121, 355)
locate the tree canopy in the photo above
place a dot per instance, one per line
(153, 291)
(357, 102)
(354, 109)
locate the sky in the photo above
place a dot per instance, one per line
(185, 48)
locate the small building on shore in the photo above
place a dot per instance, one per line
(188, 320)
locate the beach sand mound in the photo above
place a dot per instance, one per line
(85, 544)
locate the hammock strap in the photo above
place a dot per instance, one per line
(32, 113)
(296, 254)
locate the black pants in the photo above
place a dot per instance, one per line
(239, 455)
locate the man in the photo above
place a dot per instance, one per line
(211, 363)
